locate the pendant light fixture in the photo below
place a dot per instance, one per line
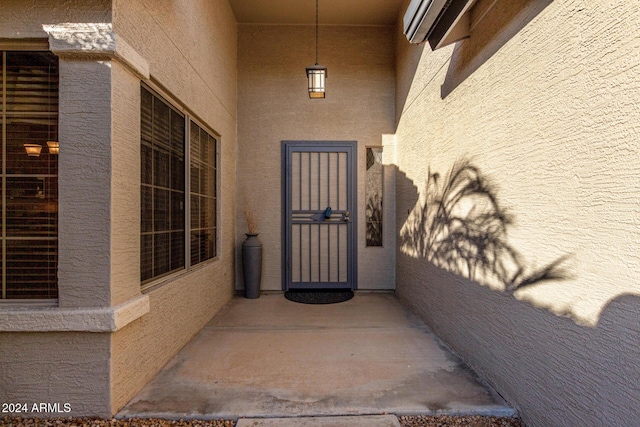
(33, 150)
(316, 74)
(54, 146)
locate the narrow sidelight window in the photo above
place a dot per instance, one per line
(373, 191)
(29, 175)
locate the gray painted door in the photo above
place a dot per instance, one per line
(319, 214)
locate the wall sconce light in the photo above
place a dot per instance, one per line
(33, 150)
(54, 147)
(316, 74)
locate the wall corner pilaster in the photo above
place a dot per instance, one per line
(97, 42)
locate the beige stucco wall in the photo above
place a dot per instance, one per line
(61, 367)
(25, 18)
(273, 106)
(189, 51)
(543, 99)
(69, 367)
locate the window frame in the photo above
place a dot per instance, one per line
(164, 96)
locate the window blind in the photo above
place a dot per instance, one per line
(29, 115)
(162, 136)
(178, 224)
(203, 194)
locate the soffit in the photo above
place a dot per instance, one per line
(331, 12)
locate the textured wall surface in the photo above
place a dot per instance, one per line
(84, 192)
(125, 185)
(100, 191)
(64, 368)
(178, 311)
(198, 40)
(25, 18)
(539, 108)
(69, 367)
(273, 105)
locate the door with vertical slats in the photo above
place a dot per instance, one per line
(319, 215)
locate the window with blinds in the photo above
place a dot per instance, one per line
(171, 215)
(29, 172)
(162, 188)
(203, 194)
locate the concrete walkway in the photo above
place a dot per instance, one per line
(270, 357)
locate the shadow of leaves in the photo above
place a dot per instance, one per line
(373, 214)
(462, 228)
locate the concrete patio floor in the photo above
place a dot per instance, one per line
(270, 357)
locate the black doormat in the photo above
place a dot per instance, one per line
(319, 296)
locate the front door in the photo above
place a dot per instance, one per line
(319, 215)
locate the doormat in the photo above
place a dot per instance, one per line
(319, 296)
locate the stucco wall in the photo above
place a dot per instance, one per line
(67, 367)
(191, 51)
(25, 18)
(538, 110)
(273, 105)
(57, 368)
(84, 192)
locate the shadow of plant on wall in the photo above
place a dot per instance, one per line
(374, 221)
(462, 228)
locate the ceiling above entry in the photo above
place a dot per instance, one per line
(302, 12)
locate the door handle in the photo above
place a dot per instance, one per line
(346, 216)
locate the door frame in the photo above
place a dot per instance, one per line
(352, 174)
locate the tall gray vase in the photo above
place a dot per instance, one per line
(252, 265)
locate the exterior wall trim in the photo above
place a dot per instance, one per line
(95, 42)
(50, 319)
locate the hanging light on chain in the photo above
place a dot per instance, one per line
(316, 74)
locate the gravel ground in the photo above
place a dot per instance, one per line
(468, 421)
(96, 422)
(405, 421)
(413, 421)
